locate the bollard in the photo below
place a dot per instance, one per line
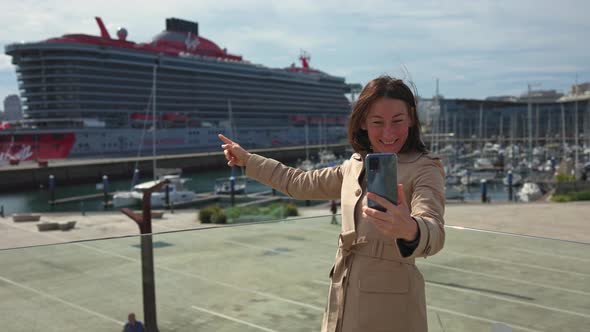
(105, 190)
(82, 208)
(168, 196)
(510, 194)
(2, 211)
(484, 191)
(232, 187)
(51, 186)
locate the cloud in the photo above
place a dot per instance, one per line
(464, 43)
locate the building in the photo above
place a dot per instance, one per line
(12, 108)
(548, 117)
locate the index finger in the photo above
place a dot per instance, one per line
(225, 139)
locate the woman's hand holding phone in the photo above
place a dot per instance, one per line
(396, 221)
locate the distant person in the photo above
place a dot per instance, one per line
(132, 324)
(334, 209)
(375, 284)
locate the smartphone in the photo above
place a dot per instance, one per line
(381, 169)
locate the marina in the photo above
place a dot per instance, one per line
(86, 197)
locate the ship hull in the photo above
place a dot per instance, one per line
(84, 143)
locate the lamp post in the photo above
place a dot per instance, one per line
(144, 222)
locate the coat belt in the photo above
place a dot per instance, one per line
(349, 244)
(373, 248)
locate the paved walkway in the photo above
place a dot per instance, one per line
(567, 221)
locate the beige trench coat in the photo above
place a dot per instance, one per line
(373, 288)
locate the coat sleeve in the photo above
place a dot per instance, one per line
(317, 184)
(428, 207)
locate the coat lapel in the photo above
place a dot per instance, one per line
(351, 195)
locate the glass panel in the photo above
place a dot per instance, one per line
(530, 284)
(274, 277)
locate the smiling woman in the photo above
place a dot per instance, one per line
(387, 104)
(383, 289)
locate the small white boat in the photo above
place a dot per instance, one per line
(474, 177)
(124, 198)
(529, 192)
(177, 194)
(223, 185)
(306, 165)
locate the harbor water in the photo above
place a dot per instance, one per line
(201, 182)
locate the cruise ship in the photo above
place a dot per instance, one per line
(94, 95)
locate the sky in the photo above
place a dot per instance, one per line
(474, 48)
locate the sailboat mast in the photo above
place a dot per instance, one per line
(325, 128)
(306, 142)
(232, 133)
(481, 130)
(563, 144)
(154, 121)
(232, 128)
(576, 156)
(319, 135)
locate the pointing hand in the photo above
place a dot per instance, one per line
(234, 153)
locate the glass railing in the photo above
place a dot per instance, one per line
(273, 276)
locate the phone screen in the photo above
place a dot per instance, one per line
(381, 170)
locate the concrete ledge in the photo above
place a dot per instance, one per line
(25, 217)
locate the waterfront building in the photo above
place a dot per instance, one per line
(547, 117)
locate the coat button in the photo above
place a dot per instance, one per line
(357, 192)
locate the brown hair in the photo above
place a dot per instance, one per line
(387, 87)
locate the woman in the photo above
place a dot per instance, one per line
(375, 285)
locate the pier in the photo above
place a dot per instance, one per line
(78, 198)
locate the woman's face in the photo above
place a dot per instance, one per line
(387, 124)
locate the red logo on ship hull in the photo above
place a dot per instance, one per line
(35, 146)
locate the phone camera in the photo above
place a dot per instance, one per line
(373, 164)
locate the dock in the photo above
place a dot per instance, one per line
(79, 198)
